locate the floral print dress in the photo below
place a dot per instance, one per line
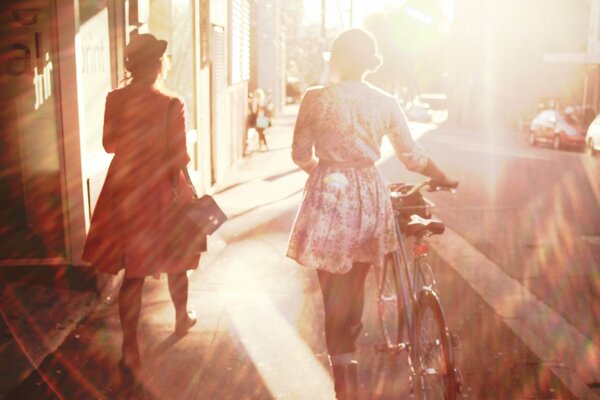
(346, 215)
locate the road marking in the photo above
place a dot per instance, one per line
(543, 330)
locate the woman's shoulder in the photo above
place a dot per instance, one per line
(148, 92)
(311, 95)
(169, 95)
(379, 92)
(313, 91)
(116, 93)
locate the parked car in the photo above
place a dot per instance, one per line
(419, 112)
(592, 138)
(561, 129)
(435, 101)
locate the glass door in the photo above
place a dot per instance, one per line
(31, 208)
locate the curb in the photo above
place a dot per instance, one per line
(531, 320)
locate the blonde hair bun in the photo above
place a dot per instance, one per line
(355, 50)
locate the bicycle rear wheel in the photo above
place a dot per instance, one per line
(423, 274)
(390, 305)
(432, 354)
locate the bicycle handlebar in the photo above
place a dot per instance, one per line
(433, 185)
(437, 186)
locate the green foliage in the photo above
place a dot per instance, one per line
(412, 49)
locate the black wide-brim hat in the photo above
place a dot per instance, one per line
(145, 47)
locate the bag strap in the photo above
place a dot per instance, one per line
(174, 178)
(189, 181)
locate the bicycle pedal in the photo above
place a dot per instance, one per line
(455, 340)
(399, 347)
(395, 348)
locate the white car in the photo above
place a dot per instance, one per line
(419, 113)
(592, 138)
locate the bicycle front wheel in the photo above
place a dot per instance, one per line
(432, 353)
(390, 305)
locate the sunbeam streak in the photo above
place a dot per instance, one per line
(264, 314)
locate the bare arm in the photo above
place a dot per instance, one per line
(410, 153)
(178, 155)
(109, 134)
(407, 150)
(303, 142)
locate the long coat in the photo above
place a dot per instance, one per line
(346, 215)
(130, 228)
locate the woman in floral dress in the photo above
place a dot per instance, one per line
(345, 223)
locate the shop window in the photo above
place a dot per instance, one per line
(31, 208)
(180, 72)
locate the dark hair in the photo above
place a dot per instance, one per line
(146, 68)
(355, 51)
(144, 56)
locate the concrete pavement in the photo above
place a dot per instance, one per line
(39, 308)
(259, 334)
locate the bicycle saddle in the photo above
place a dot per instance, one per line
(416, 225)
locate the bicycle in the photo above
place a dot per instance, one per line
(411, 315)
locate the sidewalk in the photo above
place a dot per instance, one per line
(39, 307)
(259, 325)
(34, 325)
(259, 333)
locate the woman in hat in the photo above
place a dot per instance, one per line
(145, 129)
(345, 223)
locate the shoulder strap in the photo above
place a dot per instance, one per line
(174, 179)
(189, 181)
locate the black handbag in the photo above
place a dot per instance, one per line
(204, 212)
(190, 223)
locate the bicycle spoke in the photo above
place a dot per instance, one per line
(389, 305)
(433, 352)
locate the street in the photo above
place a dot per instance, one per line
(532, 213)
(528, 216)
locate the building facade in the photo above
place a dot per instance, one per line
(59, 60)
(269, 51)
(498, 69)
(588, 60)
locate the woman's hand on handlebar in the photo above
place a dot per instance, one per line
(442, 183)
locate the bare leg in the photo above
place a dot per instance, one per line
(262, 138)
(178, 289)
(130, 304)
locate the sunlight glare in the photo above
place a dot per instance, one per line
(266, 311)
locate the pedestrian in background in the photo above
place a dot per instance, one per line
(346, 222)
(144, 127)
(260, 116)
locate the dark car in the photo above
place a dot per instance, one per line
(561, 129)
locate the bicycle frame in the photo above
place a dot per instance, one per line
(419, 311)
(405, 275)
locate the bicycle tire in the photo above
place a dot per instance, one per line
(423, 275)
(432, 351)
(390, 306)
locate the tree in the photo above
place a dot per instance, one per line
(411, 43)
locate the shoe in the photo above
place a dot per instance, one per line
(130, 370)
(184, 325)
(345, 381)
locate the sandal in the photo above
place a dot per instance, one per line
(183, 326)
